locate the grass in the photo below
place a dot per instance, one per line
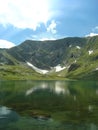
(23, 72)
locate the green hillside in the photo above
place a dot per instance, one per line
(78, 57)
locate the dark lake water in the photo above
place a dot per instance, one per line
(48, 105)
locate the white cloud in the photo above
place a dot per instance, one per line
(92, 34)
(96, 27)
(52, 27)
(24, 13)
(46, 39)
(43, 37)
(6, 44)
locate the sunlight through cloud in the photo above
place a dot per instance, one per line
(24, 14)
(52, 27)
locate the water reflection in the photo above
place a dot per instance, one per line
(97, 91)
(4, 111)
(74, 97)
(37, 87)
(56, 87)
(71, 104)
(7, 116)
(61, 88)
(90, 108)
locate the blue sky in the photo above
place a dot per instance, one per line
(46, 19)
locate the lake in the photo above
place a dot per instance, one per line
(48, 105)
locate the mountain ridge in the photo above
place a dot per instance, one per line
(78, 56)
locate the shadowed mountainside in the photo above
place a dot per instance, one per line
(78, 57)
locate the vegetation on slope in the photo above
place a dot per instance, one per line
(79, 56)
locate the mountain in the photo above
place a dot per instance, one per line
(72, 57)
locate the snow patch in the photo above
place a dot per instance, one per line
(75, 61)
(78, 47)
(59, 68)
(70, 45)
(41, 71)
(90, 52)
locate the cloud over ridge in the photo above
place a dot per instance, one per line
(6, 44)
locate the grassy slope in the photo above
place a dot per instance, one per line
(23, 72)
(86, 63)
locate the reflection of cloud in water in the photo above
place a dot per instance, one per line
(4, 111)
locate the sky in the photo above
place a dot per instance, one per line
(21, 20)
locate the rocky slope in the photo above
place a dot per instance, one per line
(75, 58)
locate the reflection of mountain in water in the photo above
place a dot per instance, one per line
(10, 120)
(61, 102)
(57, 87)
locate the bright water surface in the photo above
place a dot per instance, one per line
(48, 105)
